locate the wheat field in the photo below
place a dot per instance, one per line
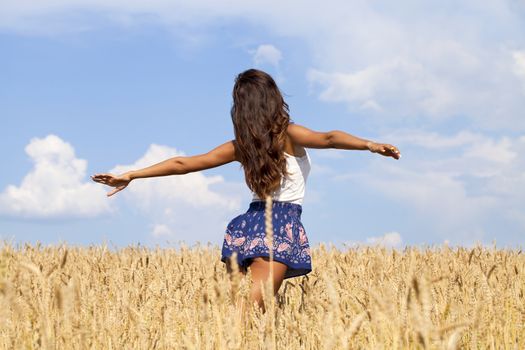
(65, 297)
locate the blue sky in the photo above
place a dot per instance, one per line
(91, 86)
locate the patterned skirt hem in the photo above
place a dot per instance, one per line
(294, 269)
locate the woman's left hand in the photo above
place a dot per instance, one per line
(384, 149)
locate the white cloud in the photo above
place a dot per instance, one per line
(494, 151)
(399, 85)
(410, 61)
(472, 186)
(465, 152)
(193, 205)
(55, 187)
(393, 61)
(434, 140)
(267, 54)
(389, 239)
(161, 230)
(519, 63)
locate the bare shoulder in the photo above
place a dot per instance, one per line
(305, 137)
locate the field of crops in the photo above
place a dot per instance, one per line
(364, 297)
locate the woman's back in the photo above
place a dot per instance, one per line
(292, 187)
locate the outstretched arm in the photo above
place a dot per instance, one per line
(338, 139)
(220, 155)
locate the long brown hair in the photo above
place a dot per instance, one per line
(260, 118)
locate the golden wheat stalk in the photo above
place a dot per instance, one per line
(269, 234)
(269, 225)
(365, 298)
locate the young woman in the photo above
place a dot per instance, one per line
(271, 150)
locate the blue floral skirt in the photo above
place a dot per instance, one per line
(245, 234)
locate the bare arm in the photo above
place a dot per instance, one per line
(337, 139)
(218, 156)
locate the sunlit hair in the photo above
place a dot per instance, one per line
(260, 118)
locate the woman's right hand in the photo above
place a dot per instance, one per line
(120, 182)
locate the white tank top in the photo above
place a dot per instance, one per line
(292, 186)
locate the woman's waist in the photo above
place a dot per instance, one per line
(287, 195)
(277, 206)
